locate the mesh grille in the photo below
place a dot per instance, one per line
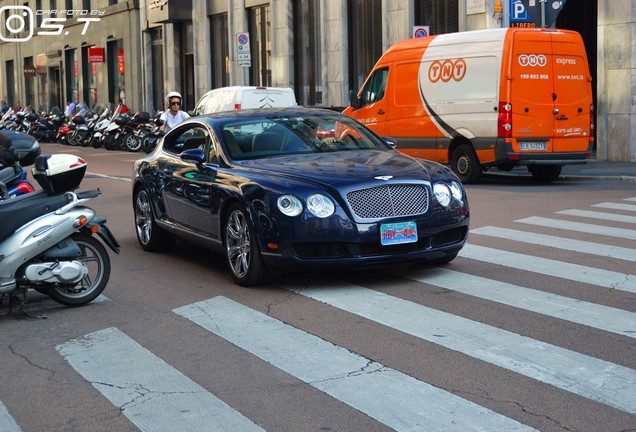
(388, 201)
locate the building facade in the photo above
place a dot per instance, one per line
(139, 50)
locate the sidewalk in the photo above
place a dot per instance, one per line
(601, 170)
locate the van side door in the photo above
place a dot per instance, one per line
(374, 106)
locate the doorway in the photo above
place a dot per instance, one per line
(582, 16)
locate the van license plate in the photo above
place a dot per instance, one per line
(533, 146)
(397, 233)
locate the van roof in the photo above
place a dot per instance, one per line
(463, 37)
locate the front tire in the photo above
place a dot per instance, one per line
(151, 237)
(241, 249)
(465, 164)
(95, 258)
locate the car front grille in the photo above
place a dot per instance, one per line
(389, 201)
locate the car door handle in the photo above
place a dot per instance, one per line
(381, 111)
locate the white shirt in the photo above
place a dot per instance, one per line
(172, 120)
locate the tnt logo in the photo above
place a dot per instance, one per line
(533, 60)
(454, 69)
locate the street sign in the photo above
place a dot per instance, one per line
(551, 9)
(420, 31)
(244, 56)
(519, 15)
(243, 42)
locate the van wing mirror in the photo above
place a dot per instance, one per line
(354, 100)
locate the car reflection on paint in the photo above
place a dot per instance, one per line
(285, 189)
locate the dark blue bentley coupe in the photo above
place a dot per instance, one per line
(282, 189)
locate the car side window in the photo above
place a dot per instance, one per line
(195, 136)
(375, 87)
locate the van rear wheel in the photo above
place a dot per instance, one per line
(465, 164)
(545, 173)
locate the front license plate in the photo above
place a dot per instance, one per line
(397, 233)
(533, 146)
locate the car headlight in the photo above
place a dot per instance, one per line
(442, 194)
(320, 206)
(289, 205)
(457, 191)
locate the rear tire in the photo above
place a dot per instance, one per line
(95, 257)
(465, 164)
(545, 173)
(151, 237)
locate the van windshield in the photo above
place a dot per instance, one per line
(277, 136)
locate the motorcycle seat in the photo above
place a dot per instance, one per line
(17, 211)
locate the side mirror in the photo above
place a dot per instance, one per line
(390, 141)
(354, 100)
(193, 155)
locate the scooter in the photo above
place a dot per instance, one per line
(12, 163)
(48, 238)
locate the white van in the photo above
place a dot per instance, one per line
(244, 97)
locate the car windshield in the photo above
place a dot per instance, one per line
(275, 136)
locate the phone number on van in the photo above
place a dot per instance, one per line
(535, 76)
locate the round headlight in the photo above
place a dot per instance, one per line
(456, 189)
(320, 206)
(442, 194)
(289, 205)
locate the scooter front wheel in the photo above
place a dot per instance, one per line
(95, 257)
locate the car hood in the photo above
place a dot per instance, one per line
(347, 166)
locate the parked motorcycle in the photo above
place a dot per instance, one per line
(45, 128)
(12, 162)
(47, 239)
(151, 134)
(95, 126)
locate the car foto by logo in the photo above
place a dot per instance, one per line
(454, 69)
(533, 60)
(16, 19)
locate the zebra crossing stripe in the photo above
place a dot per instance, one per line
(593, 378)
(560, 269)
(616, 206)
(7, 423)
(599, 215)
(590, 314)
(580, 227)
(389, 396)
(586, 247)
(630, 199)
(149, 392)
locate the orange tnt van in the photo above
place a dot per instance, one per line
(486, 98)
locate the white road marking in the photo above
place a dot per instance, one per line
(389, 396)
(7, 423)
(564, 270)
(591, 248)
(615, 206)
(596, 379)
(599, 215)
(590, 314)
(148, 391)
(580, 227)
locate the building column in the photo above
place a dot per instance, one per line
(282, 43)
(616, 86)
(335, 67)
(202, 52)
(237, 23)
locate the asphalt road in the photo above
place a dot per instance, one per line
(531, 327)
